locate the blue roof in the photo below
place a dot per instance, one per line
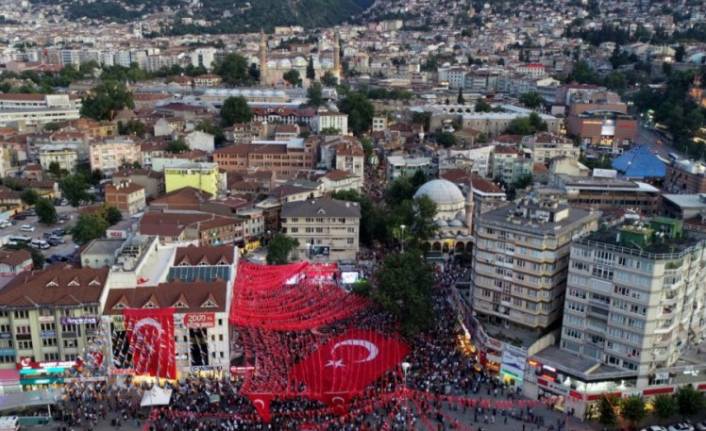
(640, 162)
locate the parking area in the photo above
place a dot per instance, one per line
(68, 217)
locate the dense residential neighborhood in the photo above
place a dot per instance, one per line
(213, 214)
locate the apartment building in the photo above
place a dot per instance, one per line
(326, 229)
(635, 296)
(111, 154)
(37, 109)
(285, 159)
(331, 121)
(685, 176)
(49, 317)
(126, 196)
(203, 176)
(521, 259)
(548, 146)
(65, 158)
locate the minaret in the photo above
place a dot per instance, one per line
(263, 58)
(337, 55)
(469, 205)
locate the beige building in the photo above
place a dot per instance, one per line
(546, 147)
(521, 260)
(326, 229)
(126, 196)
(111, 154)
(66, 158)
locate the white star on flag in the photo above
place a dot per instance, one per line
(335, 363)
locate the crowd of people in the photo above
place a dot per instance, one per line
(435, 390)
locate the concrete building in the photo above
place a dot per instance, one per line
(326, 120)
(520, 260)
(399, 165)
(20, 109)
(126, 196)
(101, 253)
(52, 317)
(685, 176)
(198, 140)
(111, 154)
(202, 176)
(608, 193)
(326, 229)
(151, 181)
(634, 296)
(66, 158)
(285, 159)
(509, 164)
(546, 146)
(12, 262)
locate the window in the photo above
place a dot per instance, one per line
(71, 343)
(48, 342)
(53, 356)
(21, 314)
(24, 345)
(350, 240)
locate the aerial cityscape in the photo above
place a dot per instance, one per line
(353, 215)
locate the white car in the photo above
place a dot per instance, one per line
(27, 228)
(654, 428)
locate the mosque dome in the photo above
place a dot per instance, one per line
(441, 192)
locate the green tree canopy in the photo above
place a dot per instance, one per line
(176, 146)
(404, 289)
(74, 189)
(482, 106)
(29, 196)
(55, 169)
(89, 227)
(360, 111)
(233, 69)
(606, 411)
(460, 99)
(106, 99)
(633, 409)
(235, 110)
(132, 127)
(526, 125)
(665, 406)
(293, 78)
(279, 249)
(310, 72)
(314, 94)
(531, 99)
(46, 213)
(329, 80)
(113, 215)
(689, 400)
(446, 139)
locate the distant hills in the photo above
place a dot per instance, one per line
(219, 16)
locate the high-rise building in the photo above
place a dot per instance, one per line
(521, 260)
(635, 295)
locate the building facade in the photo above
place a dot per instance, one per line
(110, 155)
(326, 229)
(202, 176)
(129, 198)
(521, 259)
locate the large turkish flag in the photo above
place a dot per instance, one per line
(346, 364)
(150, 333)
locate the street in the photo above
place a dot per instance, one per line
(65, 249)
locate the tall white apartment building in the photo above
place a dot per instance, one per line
(636, 295)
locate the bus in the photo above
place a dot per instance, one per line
(19, 239)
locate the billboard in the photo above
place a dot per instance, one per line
(512, 365)
(199, 320)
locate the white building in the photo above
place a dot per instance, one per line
(198, 140)
(18, 109)
(331, 121)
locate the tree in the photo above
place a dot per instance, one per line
(113, 215)
(583, 74)
(460, 100)
(233, 69)
(235, 110)
(360, 111)
(106, 99)
(679, 53)
(254, 72)
(279, 249)
(293, 78)
(633, 409)
(536, 122)
(423, 225)
(531, 99)
(89, 227)
(45, 211)
(482, 106)
(606, 411)
(404, 290)
(310, 72)
(446, 139)
(689, 400)
(422, 118)
(314, 94)
(214, 129)
(176, 146)
(665, 406)
(368, 148)
(74, 188)
(132, 127)
(526, 125)
(329, 80)
(29, 196)
(399, 190)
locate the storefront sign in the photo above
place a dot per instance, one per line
(7, 352)
(5, 335)
(553, 387)
(513, 362)
(199, 320)
(197, 368)
(47, 334)
(46, 319)
(122, 371)
(79, 320)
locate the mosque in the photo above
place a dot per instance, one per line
(454, 215)
(273, 69)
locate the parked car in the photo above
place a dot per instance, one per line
(59, 232)
(27, 228)
(654, 428)
(39, 244)
(4, 224)
(54, 241)
(682, 426)
(701, 426)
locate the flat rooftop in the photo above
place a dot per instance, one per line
(667, 245)
(103, 246)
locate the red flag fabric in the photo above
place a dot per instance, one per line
(346, 364)
(150, 333)
(261, 402)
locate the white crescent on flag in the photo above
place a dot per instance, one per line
(259, 402)
(148, 321)
(370, 347)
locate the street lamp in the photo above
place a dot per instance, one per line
(402, 228)
(405, 368)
